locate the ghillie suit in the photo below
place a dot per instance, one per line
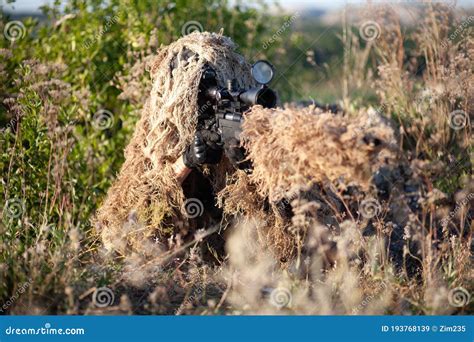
(303, 160)
(146, 200)
(299, 156)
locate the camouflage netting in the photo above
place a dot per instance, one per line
(292, 150)
(146, 193)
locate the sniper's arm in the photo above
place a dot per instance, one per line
(203, 150)
(180, 170)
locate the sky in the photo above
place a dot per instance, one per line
(32, 5)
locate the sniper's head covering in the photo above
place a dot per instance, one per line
(146, 199)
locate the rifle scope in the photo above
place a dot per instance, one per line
(262, 72)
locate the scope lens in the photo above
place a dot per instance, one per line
(266, 98)
(263, 72)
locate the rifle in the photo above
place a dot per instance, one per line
(221, 109)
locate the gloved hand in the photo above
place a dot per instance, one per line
(237, 154)
(203, 150)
